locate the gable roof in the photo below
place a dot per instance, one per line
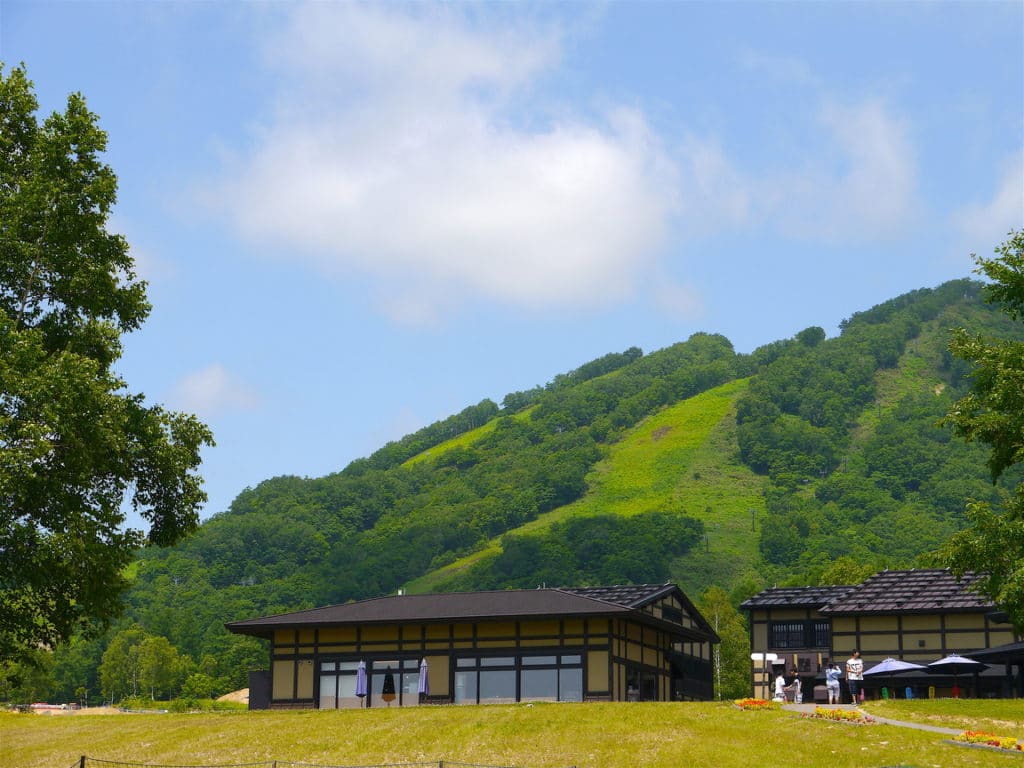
(795, 597)
(484, 606)
(924, 590)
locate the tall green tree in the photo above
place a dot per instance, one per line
(75, 445)
(731, 656)
(993, 413)
(161, 668)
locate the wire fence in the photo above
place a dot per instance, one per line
(89, 762)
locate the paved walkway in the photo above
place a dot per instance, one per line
(807, 709)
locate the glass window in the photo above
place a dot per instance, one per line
(338, 685)
(648, 686)
(466, 662)
(570, 684)
(536, 660)
(539, 685)
(787, 634)
(465, 687)
(572, 659)
(410, 689)
(328, 691)
(498, 686)
(385, 675)
(822, 634)
(498, 661)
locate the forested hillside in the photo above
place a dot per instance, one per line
(691, 463)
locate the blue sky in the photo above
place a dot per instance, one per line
(358, 219)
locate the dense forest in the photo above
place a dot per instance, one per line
(841, 440)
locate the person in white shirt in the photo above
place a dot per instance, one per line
(855, 675)
(780, 687)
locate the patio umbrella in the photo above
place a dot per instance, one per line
(424, 687)
(361, 682)
(955, 665)
(387, 692)
(892, 667)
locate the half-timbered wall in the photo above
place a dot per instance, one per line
(569, 659)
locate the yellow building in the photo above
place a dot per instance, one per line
(644, 643)
(917, 616)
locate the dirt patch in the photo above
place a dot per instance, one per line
(241, 696)
(660, 432)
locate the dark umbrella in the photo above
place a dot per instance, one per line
(387, 692)
(361, 681)
(424, 686)
(892, 667)
(955, 665)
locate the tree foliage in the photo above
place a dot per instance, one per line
(732, 656)
(993, 413)
(73, 442)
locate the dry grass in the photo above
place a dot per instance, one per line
(531, 736)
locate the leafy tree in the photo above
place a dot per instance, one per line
(73, 442)
(200, 685)
(28, 678)
(119, 669)
(161, 667)
(993, 413)
(732, 655)
(845, 571)
(76, 669)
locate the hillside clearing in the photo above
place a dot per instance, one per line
(670, 462)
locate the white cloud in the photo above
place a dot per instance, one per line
(714, 194)
(678, 301)
(984, 225)
(863, 185)
(392, 152)
(211, 391)
(858, 182)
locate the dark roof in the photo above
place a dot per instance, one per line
(475, 606)
(630, 596)
(1011, 653)
(795, 597)
(917, 591)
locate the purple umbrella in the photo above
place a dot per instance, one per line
(953, 665)
(892, 667)
(361, 682)
(424, 687)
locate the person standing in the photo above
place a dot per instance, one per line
(797, 688)
(855, 675)
(832, 675)
(780, 687)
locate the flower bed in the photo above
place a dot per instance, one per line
(755, 704)
(841, 715)
(990, 740)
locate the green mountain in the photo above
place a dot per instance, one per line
(692, 464)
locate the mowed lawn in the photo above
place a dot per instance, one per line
(529, 736)
(1004, 717)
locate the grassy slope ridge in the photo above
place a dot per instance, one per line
(531, 735)
(682, 459)
(685, 458)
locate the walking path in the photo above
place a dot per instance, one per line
(807, 709)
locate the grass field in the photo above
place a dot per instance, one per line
(1001, 716)
(527, 736)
